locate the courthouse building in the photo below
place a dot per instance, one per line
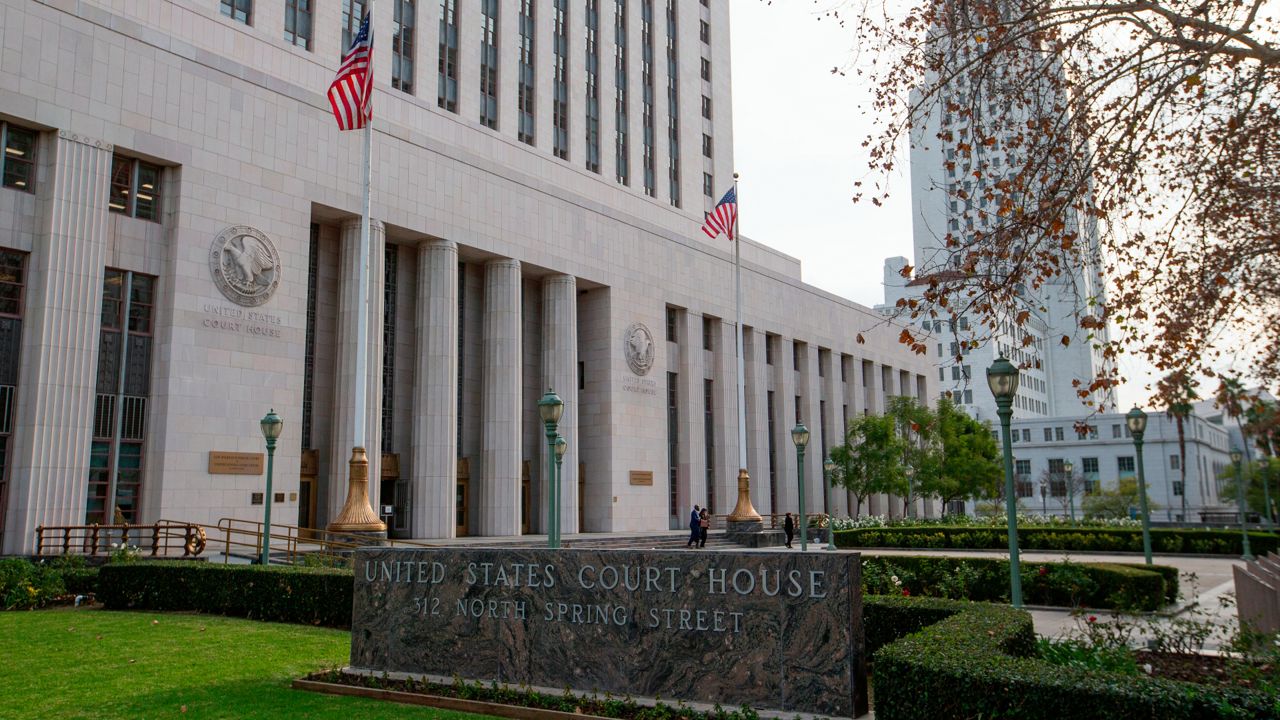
(180, 225)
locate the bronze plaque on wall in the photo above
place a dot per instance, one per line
(641, 477)
(310, 463)
(234, 463)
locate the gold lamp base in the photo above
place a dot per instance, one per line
(744, 511)
(357, 515)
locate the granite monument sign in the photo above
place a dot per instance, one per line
(770, 630)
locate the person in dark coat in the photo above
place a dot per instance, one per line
(695, 528)
(789, 527)
(704, 523)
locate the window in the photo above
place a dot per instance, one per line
(1048, 434)
(673, 108)
(769, 342)
(1124, 465)
(709, 441)
(19, 157)
(489, 63)
(968, 397)
(1026, 435)
(1115, 431)
(797, 406)
(942, 374)
(1058, 434)
(135, 188)
(706, 145)
(447, 91)
(773, 448)
(708, 333)
(238, 10)
(1177, 488)
(621, 145)
(1175, 462)
(1089, 466)
(646, 87)
(560, 81)
(671, 325)
(352, 16)
(706, 107)
(795, 356)
(297, 23)
(526, 94)
(673, 444)
(404, 25)
(966, 371)
(704, 32)
(593, 86)
(708, 185)
(706, 69)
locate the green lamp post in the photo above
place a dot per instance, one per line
(1069, 468)
(271, 427)
(561, 446)
(1236, 457)
(800, 436)
(1002, 378)
(827, 467)
(550, 408)
(1137, 422)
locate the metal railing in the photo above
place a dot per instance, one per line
(163, 539)
(295, 545)
(774, 521)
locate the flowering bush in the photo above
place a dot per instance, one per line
(986, 521)
(25, 586)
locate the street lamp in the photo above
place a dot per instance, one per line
(271, 427)
(1236, 456)
(1044, 497)
(550, 408)
(1002, 378)
(827, 467)
(1137, 422)
(1069, 468)
(800, 436)
(561, 446)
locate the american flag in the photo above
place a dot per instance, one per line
(351, 94)
(723, 218)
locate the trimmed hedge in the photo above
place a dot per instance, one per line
(1198, 542)
(311, 596)
(1065, 584)
(980, 662)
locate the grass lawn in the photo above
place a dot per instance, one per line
(69, 663)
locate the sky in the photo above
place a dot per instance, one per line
(797, 134)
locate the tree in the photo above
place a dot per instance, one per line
(1141, 138)
(971, 460)
(921, 452)
(1179, 392)
(1118, 502)
(1265, 471)
(870, 460)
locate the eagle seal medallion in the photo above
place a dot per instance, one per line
(245, 265)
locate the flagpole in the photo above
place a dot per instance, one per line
(357, 514)
(744, 518)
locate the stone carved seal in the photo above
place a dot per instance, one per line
(637, 347)
(245, 265)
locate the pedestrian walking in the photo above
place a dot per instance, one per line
(695, 527)
(704, 524)
(789, 527)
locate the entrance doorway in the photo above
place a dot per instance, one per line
(394, 498)
(526, 498)
(582, 498)
(464, 495)
(307, 485)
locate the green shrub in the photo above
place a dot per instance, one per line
(312, 596)
(1093, 539)
(1065, 584)
(26, 586)
(885, 618)
(981, 661)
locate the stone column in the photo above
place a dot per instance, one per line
(560, 372)
(785, 397)
(344, 391)
(435, 392)
(692, 441)
(54, 422)
(499, 491)
(877, 503)
(831, 422)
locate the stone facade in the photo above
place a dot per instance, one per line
(498, 269)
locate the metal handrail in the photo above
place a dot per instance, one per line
(295, 543)
(165, 538)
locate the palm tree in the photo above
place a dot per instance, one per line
(1178, 391)
(1233, 398)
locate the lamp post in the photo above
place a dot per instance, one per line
(1069, 468)
(1137, 422)
(1044, 497)
(827, 467)
(1236, 456)
(271, 427)
(1002, 378)
(561, 446)
(550, 408)
(800, 436)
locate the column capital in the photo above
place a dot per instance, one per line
(502, 263)
(353, 224)
(438, 244)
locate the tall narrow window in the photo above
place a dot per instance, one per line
(352, 16)
(673, 446)
(12, 292)
(646, 83)
(19, 157)
(560, 94)
(403, 44)
(390, 273)
(123, 388)
(621, 147)
(489, 63)
(526, 95)
(593, 85)
(773, 454)
(135, 188)
(297, 23)
(673, 106)
(447, 93)
(238, 10)
(309, 349)
(709, 435)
